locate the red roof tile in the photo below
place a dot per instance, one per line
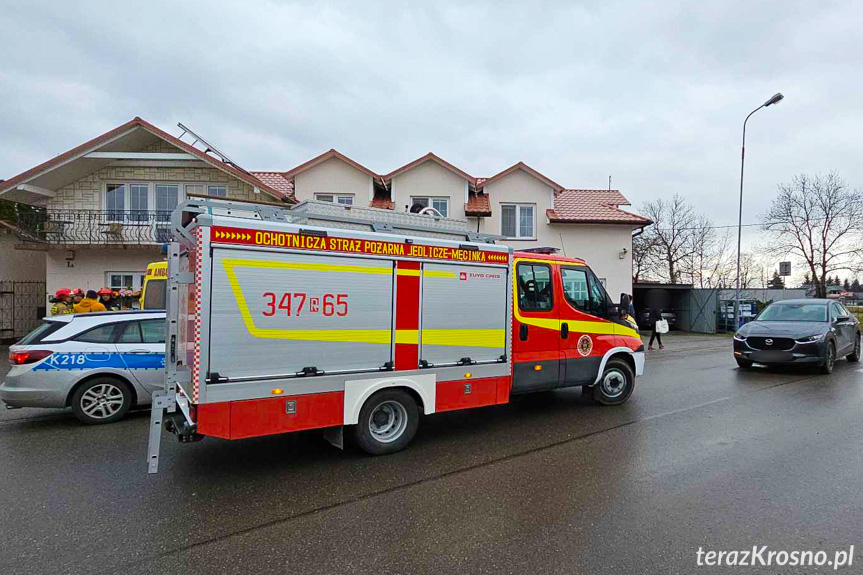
(278, 182)
(478, 204)
(592, 207)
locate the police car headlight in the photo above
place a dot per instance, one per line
(739, 337)
(810, 339)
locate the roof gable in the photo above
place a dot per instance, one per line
(430, 157)
(525, 168)
(332, 153)
(124, 131)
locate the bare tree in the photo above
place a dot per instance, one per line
(643, 257)
(819, 220)
(669, 236)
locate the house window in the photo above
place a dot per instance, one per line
(220, 191)
(344, 199)
(440, 204)
(195, 189)
(115, 202)
(123, 280)
(120, 196)
(167, 198)
(518, 221)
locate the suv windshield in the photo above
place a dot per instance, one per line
(794, 312)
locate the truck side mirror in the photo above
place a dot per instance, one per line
(624, 305)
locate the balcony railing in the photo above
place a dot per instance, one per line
(92, 227)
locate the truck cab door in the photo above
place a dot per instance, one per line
(585, 316)
(536, 328)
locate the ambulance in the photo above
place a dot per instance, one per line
(362, 321)
(153, 288)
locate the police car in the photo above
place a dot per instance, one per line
(99, 364)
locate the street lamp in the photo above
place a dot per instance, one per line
(773, 100)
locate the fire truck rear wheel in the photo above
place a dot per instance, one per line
(388, 422)
(616, 383)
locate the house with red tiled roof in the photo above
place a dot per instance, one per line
(526, 207)
(104, 205)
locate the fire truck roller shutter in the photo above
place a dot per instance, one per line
(278, 313)
(464, 313)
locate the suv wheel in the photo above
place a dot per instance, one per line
(101, 400)
(829, 358)
(855, 355)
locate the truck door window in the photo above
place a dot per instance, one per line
(598, 297)
(535, 287)
(575, 287)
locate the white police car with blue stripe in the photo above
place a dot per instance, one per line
(99, 364)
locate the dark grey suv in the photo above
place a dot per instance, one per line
(804, 331)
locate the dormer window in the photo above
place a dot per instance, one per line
(441, 204)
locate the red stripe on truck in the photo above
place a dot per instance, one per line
(407, 314)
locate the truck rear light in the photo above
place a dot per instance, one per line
(29, 356)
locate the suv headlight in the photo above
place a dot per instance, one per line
(739, 337)
(810, 339)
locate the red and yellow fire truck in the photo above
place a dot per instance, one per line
(346, 318)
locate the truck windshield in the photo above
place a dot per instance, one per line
(794, 312)
(154, 295)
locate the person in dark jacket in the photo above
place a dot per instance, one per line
(655, 316)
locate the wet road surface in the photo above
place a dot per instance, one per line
(703, 454)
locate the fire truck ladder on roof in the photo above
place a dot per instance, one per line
(209, 147)
(327, 215)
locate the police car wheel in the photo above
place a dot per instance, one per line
(388, 422)
(616, 383)
(101, 400)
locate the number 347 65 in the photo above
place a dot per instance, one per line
(297, 303)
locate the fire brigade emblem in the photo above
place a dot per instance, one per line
(585, 345)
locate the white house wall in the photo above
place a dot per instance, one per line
(518, 187)
(430, 179)
(19, 265)
(333, 176)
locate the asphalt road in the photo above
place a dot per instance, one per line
(703, 455)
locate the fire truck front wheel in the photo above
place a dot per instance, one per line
(388, 422)
(616, 383)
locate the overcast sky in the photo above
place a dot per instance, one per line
(651, 93)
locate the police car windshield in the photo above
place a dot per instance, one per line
(814, 312)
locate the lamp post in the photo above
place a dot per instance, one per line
(773, 100)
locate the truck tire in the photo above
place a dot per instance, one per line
(101, 400)
(388, 422)
(616, 383)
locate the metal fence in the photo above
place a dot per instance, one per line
(79, 227)
(22, 307)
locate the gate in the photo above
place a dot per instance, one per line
(22, 307)
(702, 306)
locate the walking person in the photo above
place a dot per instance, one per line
(655, 316)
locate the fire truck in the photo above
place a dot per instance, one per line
(360, 320)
